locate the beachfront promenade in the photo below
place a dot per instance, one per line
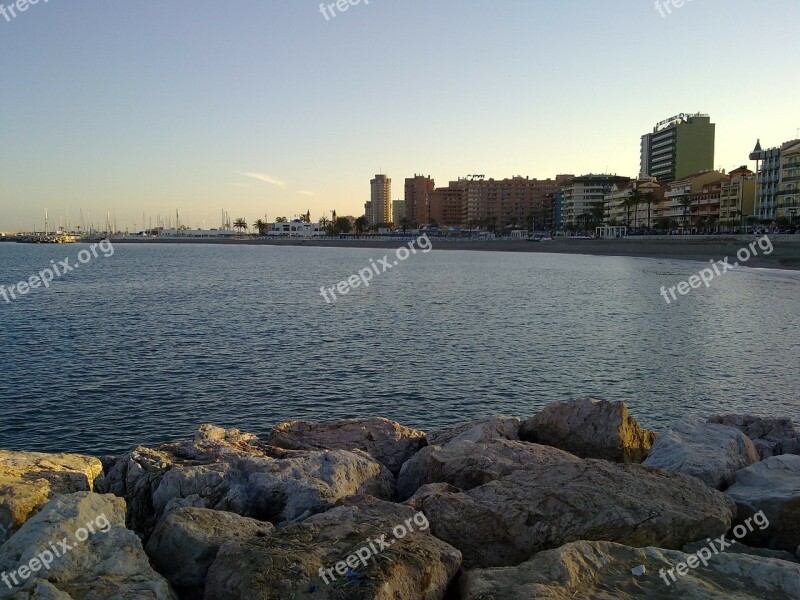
(696, 247)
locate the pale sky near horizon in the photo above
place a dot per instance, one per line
(264, 107)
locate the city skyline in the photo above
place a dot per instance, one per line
(171, 117)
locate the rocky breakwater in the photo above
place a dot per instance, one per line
(578, 501)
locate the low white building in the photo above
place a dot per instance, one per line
(296, 229)
(196, 233)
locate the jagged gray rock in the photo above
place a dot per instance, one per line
(772, 487)
(467, 464)
(506, 521)
(28, 480)
(590, 428)
(739, 548)
(109, 563)
(771, 437)
(236, 472)
(388, 442)
(604, 571)
(485, 429)
(712, 453)
(187, 539)
(288, 563)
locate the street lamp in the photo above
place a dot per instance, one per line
(792, 211)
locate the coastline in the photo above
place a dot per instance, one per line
(786, 254)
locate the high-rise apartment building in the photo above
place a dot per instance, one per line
(447, 205)
(515, 202)
(368, 211)
(789, 184)
(582, 194)
(777, 181)
(678, 147)
(381, 199)
(418, 190)
(398, 211)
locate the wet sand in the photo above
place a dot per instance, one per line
(786, 254)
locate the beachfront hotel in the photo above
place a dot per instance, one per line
(678, 147)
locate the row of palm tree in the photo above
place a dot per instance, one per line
(635, 199)
(261, 226)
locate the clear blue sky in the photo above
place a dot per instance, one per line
(147, 106)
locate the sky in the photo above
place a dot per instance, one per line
(264, 107)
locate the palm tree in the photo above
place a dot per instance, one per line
(361, 224)
(281, 220)
(627, 203)
(262, 226)
(240, 224)
(635, 199)
(598, 212)
(649, 198)
(342, 225)
(686, 202)
(325, 224)
(404, 224)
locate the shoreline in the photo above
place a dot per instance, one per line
(786, 254)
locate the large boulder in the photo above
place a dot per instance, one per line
(590, 428)
(712, 453)
(768, 493)
(238, 473)
(771, 437)
(187, 539)
(484, 429)
(77, 547)
(607, 571)
(505, 522)
(388, 442)
(364, 549)
(467, 464)
(28, 480)
(736, 547)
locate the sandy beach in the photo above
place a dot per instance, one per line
(786, 254)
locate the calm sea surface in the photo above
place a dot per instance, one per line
(143, 346)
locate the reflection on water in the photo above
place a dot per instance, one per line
(143, 346)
